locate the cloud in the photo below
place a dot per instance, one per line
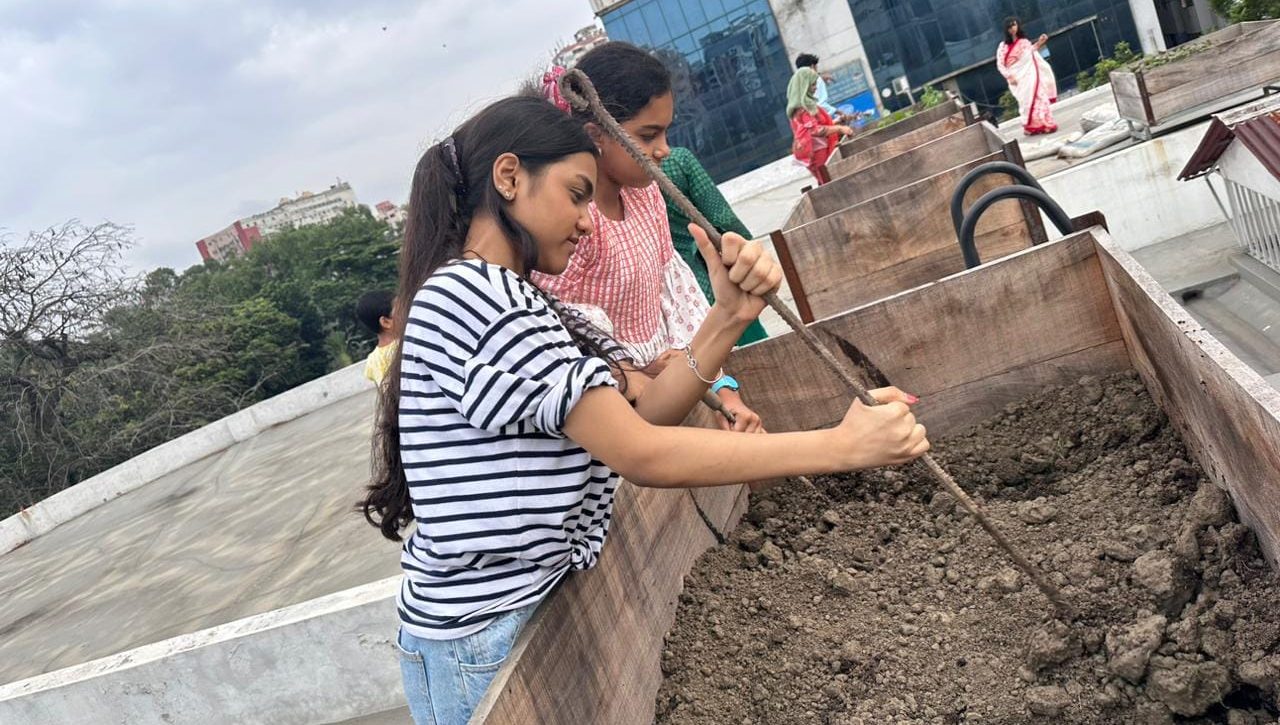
(177, 117)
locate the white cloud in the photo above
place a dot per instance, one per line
(177, 117)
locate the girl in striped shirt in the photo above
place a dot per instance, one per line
(504, 427)
(628, 267)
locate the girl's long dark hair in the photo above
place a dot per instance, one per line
(626, 76)
(1008, 23)
(452, 184)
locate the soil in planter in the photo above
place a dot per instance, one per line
(871, 599)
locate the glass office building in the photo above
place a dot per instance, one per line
(729, 70)
(926, 40)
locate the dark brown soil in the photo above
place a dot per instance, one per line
(871, 599)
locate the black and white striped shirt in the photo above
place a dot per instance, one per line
(504, 504)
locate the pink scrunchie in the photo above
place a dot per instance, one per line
(551, 88)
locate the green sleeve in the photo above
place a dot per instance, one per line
(706, 196)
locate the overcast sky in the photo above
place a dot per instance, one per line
(178, 116)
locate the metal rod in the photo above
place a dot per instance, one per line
(1264, 226)
(578, 90)
(1272, 242)
(1246, 226)
(1234, 217)
(1216, 198)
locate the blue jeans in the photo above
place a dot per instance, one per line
(444, 679)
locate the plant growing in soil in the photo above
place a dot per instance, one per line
(1008, 106)
(929, 98)
(1147, 62)
(1101, 73)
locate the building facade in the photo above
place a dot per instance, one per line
(583, 41)
(953, 45)
(386, 211)
(729, 69)
(308, 208)
(235, 239)
(731, 59)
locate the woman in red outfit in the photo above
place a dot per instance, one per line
(816, 135)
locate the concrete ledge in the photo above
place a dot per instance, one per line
(327, 659)
(144, 468)
(785, 171)
(1258, 274)
(1137, 188)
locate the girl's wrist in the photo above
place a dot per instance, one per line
(728, 320)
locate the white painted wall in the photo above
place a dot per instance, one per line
(1148, 22)
(1139, 192)
(1238, 164)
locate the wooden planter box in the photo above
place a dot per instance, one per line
(969, 344)
(933, 156)
(877, 136)
(1240, 57)
(857, 251)
(853, 160)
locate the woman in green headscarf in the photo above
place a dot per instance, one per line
(816, 135)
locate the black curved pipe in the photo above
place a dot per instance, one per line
(1019, 174)
(970, 223)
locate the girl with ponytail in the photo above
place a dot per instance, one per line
(503, 427)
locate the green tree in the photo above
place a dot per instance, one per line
(1242, 10)
(1101, 73)
(88, 357)
(262, 354)
(97, 366)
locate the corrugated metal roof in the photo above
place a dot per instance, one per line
(1256, 125)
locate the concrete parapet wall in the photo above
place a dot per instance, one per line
(142, 469)
(1138, 190)
(325, 660)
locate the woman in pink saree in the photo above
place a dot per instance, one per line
(1030, 78)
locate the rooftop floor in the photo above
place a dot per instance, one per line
(261, 525)
(1233, 297)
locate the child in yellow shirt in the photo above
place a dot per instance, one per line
(373, 309)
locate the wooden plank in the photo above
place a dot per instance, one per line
(864, 141)
(798, 294)
(591, 652)
(907, 167)
(723, 511)
(1045, 310)
(1228, 416)
(851, 162)
(1128, 96)
(1236, 62)
(897, 241)
(802, 211)
(1030, 210)
(994, 140)
(1224, 61)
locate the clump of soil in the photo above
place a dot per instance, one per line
(870, 598)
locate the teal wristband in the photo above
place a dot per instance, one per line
(725, 381)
